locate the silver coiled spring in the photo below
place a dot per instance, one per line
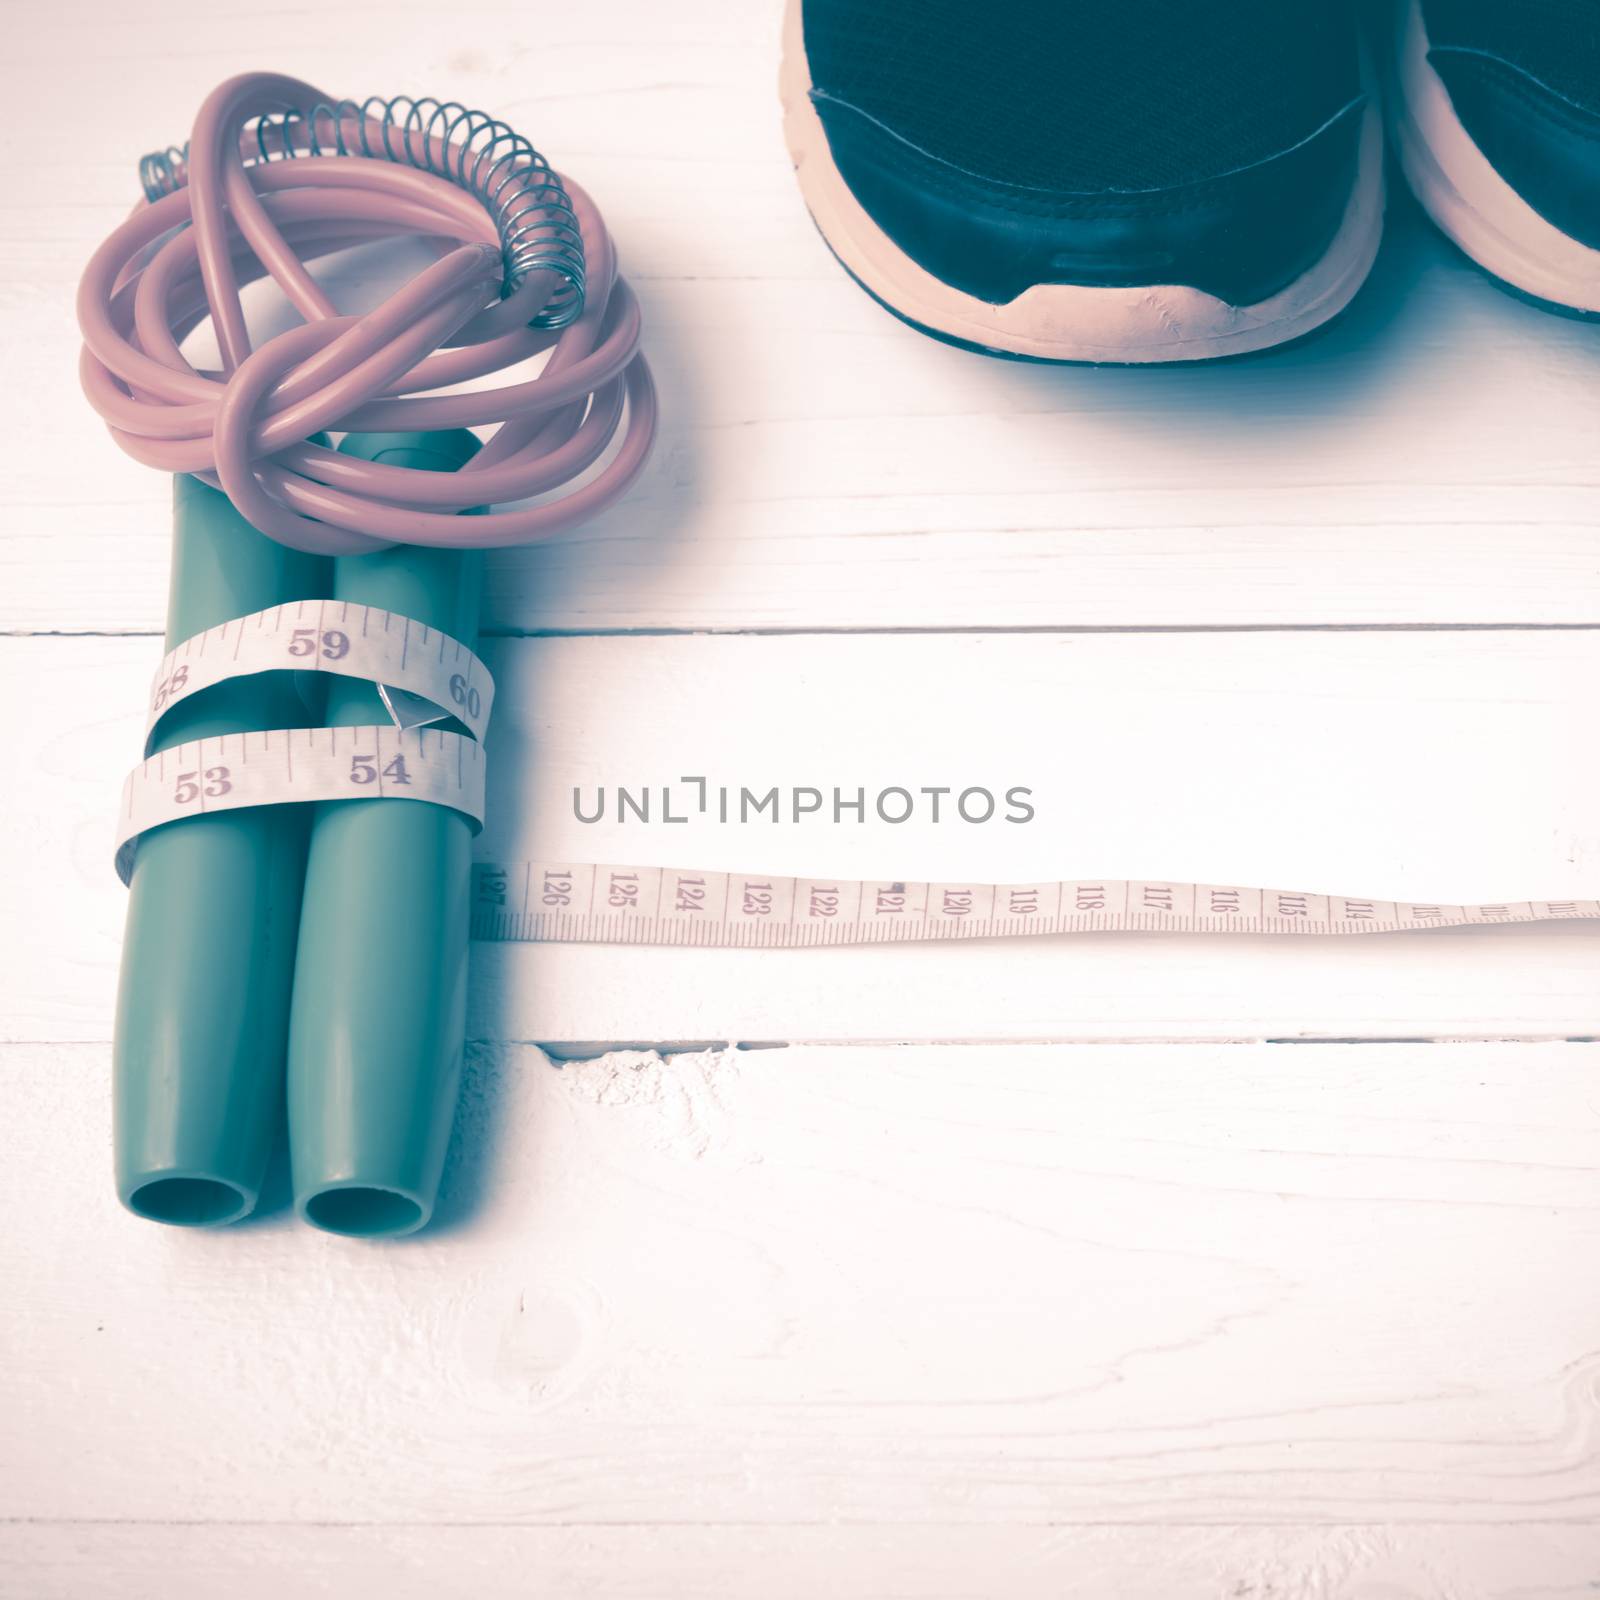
(527, 201)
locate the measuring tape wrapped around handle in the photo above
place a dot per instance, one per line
(422, 676)
(261, 937)
(427, 674)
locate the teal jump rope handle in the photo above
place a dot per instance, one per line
(378, 1022)
(208, 957)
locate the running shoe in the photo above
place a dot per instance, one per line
(1091, 180)
(1496, 109)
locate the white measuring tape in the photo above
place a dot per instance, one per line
(290, 765)
(555, 903)
(422, 674)
(424, 677)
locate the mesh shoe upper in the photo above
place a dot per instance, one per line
(1094, 141)
(1089, 95)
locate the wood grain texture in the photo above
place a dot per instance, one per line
(1449, 766)
(1429, 459)
(1223, 1287)
(606, 1561)
(1120, 1320)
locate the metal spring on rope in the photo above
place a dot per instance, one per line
(527, 201)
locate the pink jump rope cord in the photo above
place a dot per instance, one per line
(246, 429)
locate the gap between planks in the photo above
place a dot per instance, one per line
(469, 1525)
(915, 631)
(595, 1050)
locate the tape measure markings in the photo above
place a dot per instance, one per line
(304, 637)
(562, 903)
(228, 771)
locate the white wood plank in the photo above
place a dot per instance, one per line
(932, 1561)
(1446, 766)
(1142, 1285)
(1138, 1320)
(1430, 459)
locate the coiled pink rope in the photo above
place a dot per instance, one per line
(246, 428)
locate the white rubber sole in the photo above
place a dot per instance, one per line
(1073, 322)
(1471, 203)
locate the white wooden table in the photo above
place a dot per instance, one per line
(1137, 1267)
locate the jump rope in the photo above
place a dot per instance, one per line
(321, 950)
(321, 618)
